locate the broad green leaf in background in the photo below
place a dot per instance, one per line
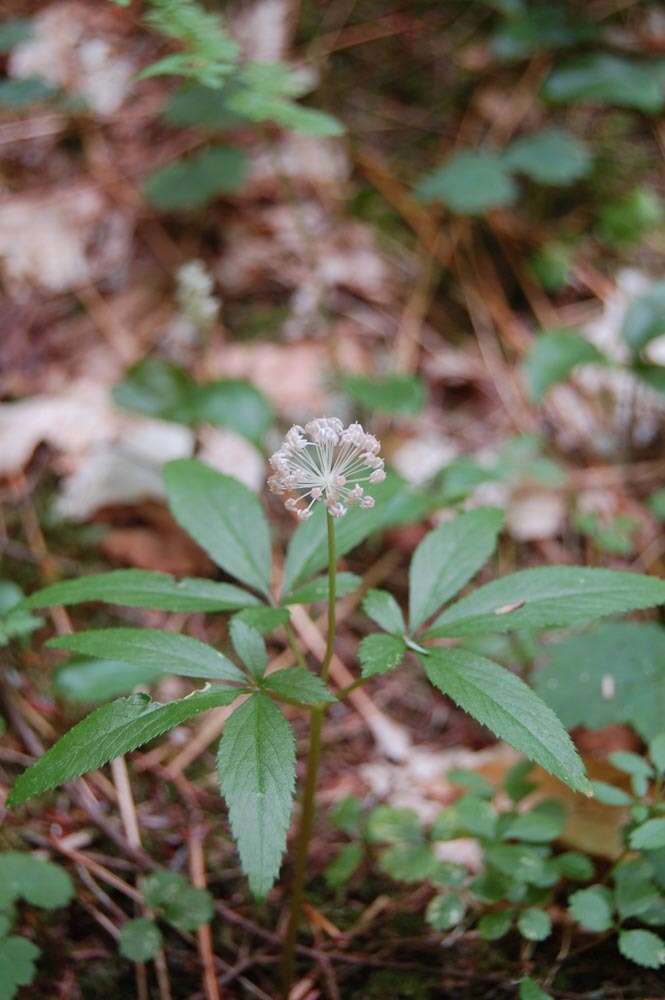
(447, 558)
(388, 824)
(176, 900)
(263, 618)
(224, 517)
(657, 504)
(87, 679)
(530, 990)
(592, 908)
(626, 659)
(108, 732)
(575, 866)
(343, 866)
(192, 182)
(14, 31)
(389, 394)
(379, 653)
(645, 317)
(657, 752)
(234, 403)
(152, 648)
(383, 609)
(643, 947)
(445, 911)
(199, 105)
(652, 375)
(38, 882)
(534, 924)
(493, 926)
(610, 795)
(548, 597)
(502, 702)
(629, 217)
(140, 939)
(469, 183)
(551, 265)
(553, 356)
(256, 763)
(22, 93)
(157, 388)
(140, 588)
(396, 503)
(298, 685)
(317, 590)
(15, 621)
(604, 78)
(648, 836)
(551, 156)
(540, 27)
(249, 645)
(17, 964)
(543, 823)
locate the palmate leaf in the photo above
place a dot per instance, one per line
(250, 647)
(256, 763)
(548, 597)
(503, 703)
(224, 517)
(139, 588)
(447, 558)
(40, 883)
(149, 647)
(17, 964)
(108, 732)
(298, 685)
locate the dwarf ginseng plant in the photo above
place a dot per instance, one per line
(324, 470)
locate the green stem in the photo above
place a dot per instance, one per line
(309, 794)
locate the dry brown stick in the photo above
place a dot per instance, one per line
(415, 311)
(204, 933)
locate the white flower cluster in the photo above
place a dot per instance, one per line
(326, 461)
(194, 294)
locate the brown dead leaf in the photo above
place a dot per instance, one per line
(157, 544)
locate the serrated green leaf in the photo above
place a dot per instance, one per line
(317, 590)
(344, 864)
(263, 618)
(224, 517)
(642, 947)
(543, 823)
(446, 911)
(298, 685)
(645, 317)
(548, 597)
(307, 554)
(154, 649)
(469, 183)
(139, 588)
(574, 865)
(195, 180)
(605, 78)
(648, 836)
(534, 924)
(503, 703)
(447, 558)
(39, 882)
(383, 609)
(256, 763)
(140, 939)
(108, 732)
(250, 647)
(380, 653)
(592, 908)
(550, 156)
(610, 795)
(17, 965)
(390, 394)
(493, 926)
(555, 353)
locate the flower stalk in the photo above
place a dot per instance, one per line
(309, 794)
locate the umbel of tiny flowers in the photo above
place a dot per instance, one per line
(327, 462)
